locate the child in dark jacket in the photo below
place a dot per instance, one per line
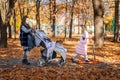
(26, 38)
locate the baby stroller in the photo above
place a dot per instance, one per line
(50, 49)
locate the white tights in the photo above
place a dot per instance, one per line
(76, 55)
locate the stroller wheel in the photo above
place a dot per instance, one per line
(41, 62)
(61, 62)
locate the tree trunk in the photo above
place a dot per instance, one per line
(98, 22)
(78, 23)
(10, 31)
(54, 18)
(3, 34)
(116, 30)
(3, 40)
(66, 21)
(6, 6)
(3, 23)
(14, 24)
(54, 22)
(37, 13)
(71, 21)
(50, 8)
(21, 14)
(28, 7)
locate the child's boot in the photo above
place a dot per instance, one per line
(87, 60)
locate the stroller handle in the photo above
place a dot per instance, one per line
(38, 36)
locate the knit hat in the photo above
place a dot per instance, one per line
(85, 34)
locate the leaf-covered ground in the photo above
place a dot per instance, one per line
(108, 67)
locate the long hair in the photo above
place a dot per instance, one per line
(24, 19)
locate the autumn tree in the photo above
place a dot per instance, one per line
(10, 31)
(54, 17)
(71, 20)
(21, 4)
(66, 19)
(117, 26)
(78, 10)
(52, 8)
(37, 13)
(98, 22)
(6, 7)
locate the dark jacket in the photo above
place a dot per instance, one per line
(24, 36)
